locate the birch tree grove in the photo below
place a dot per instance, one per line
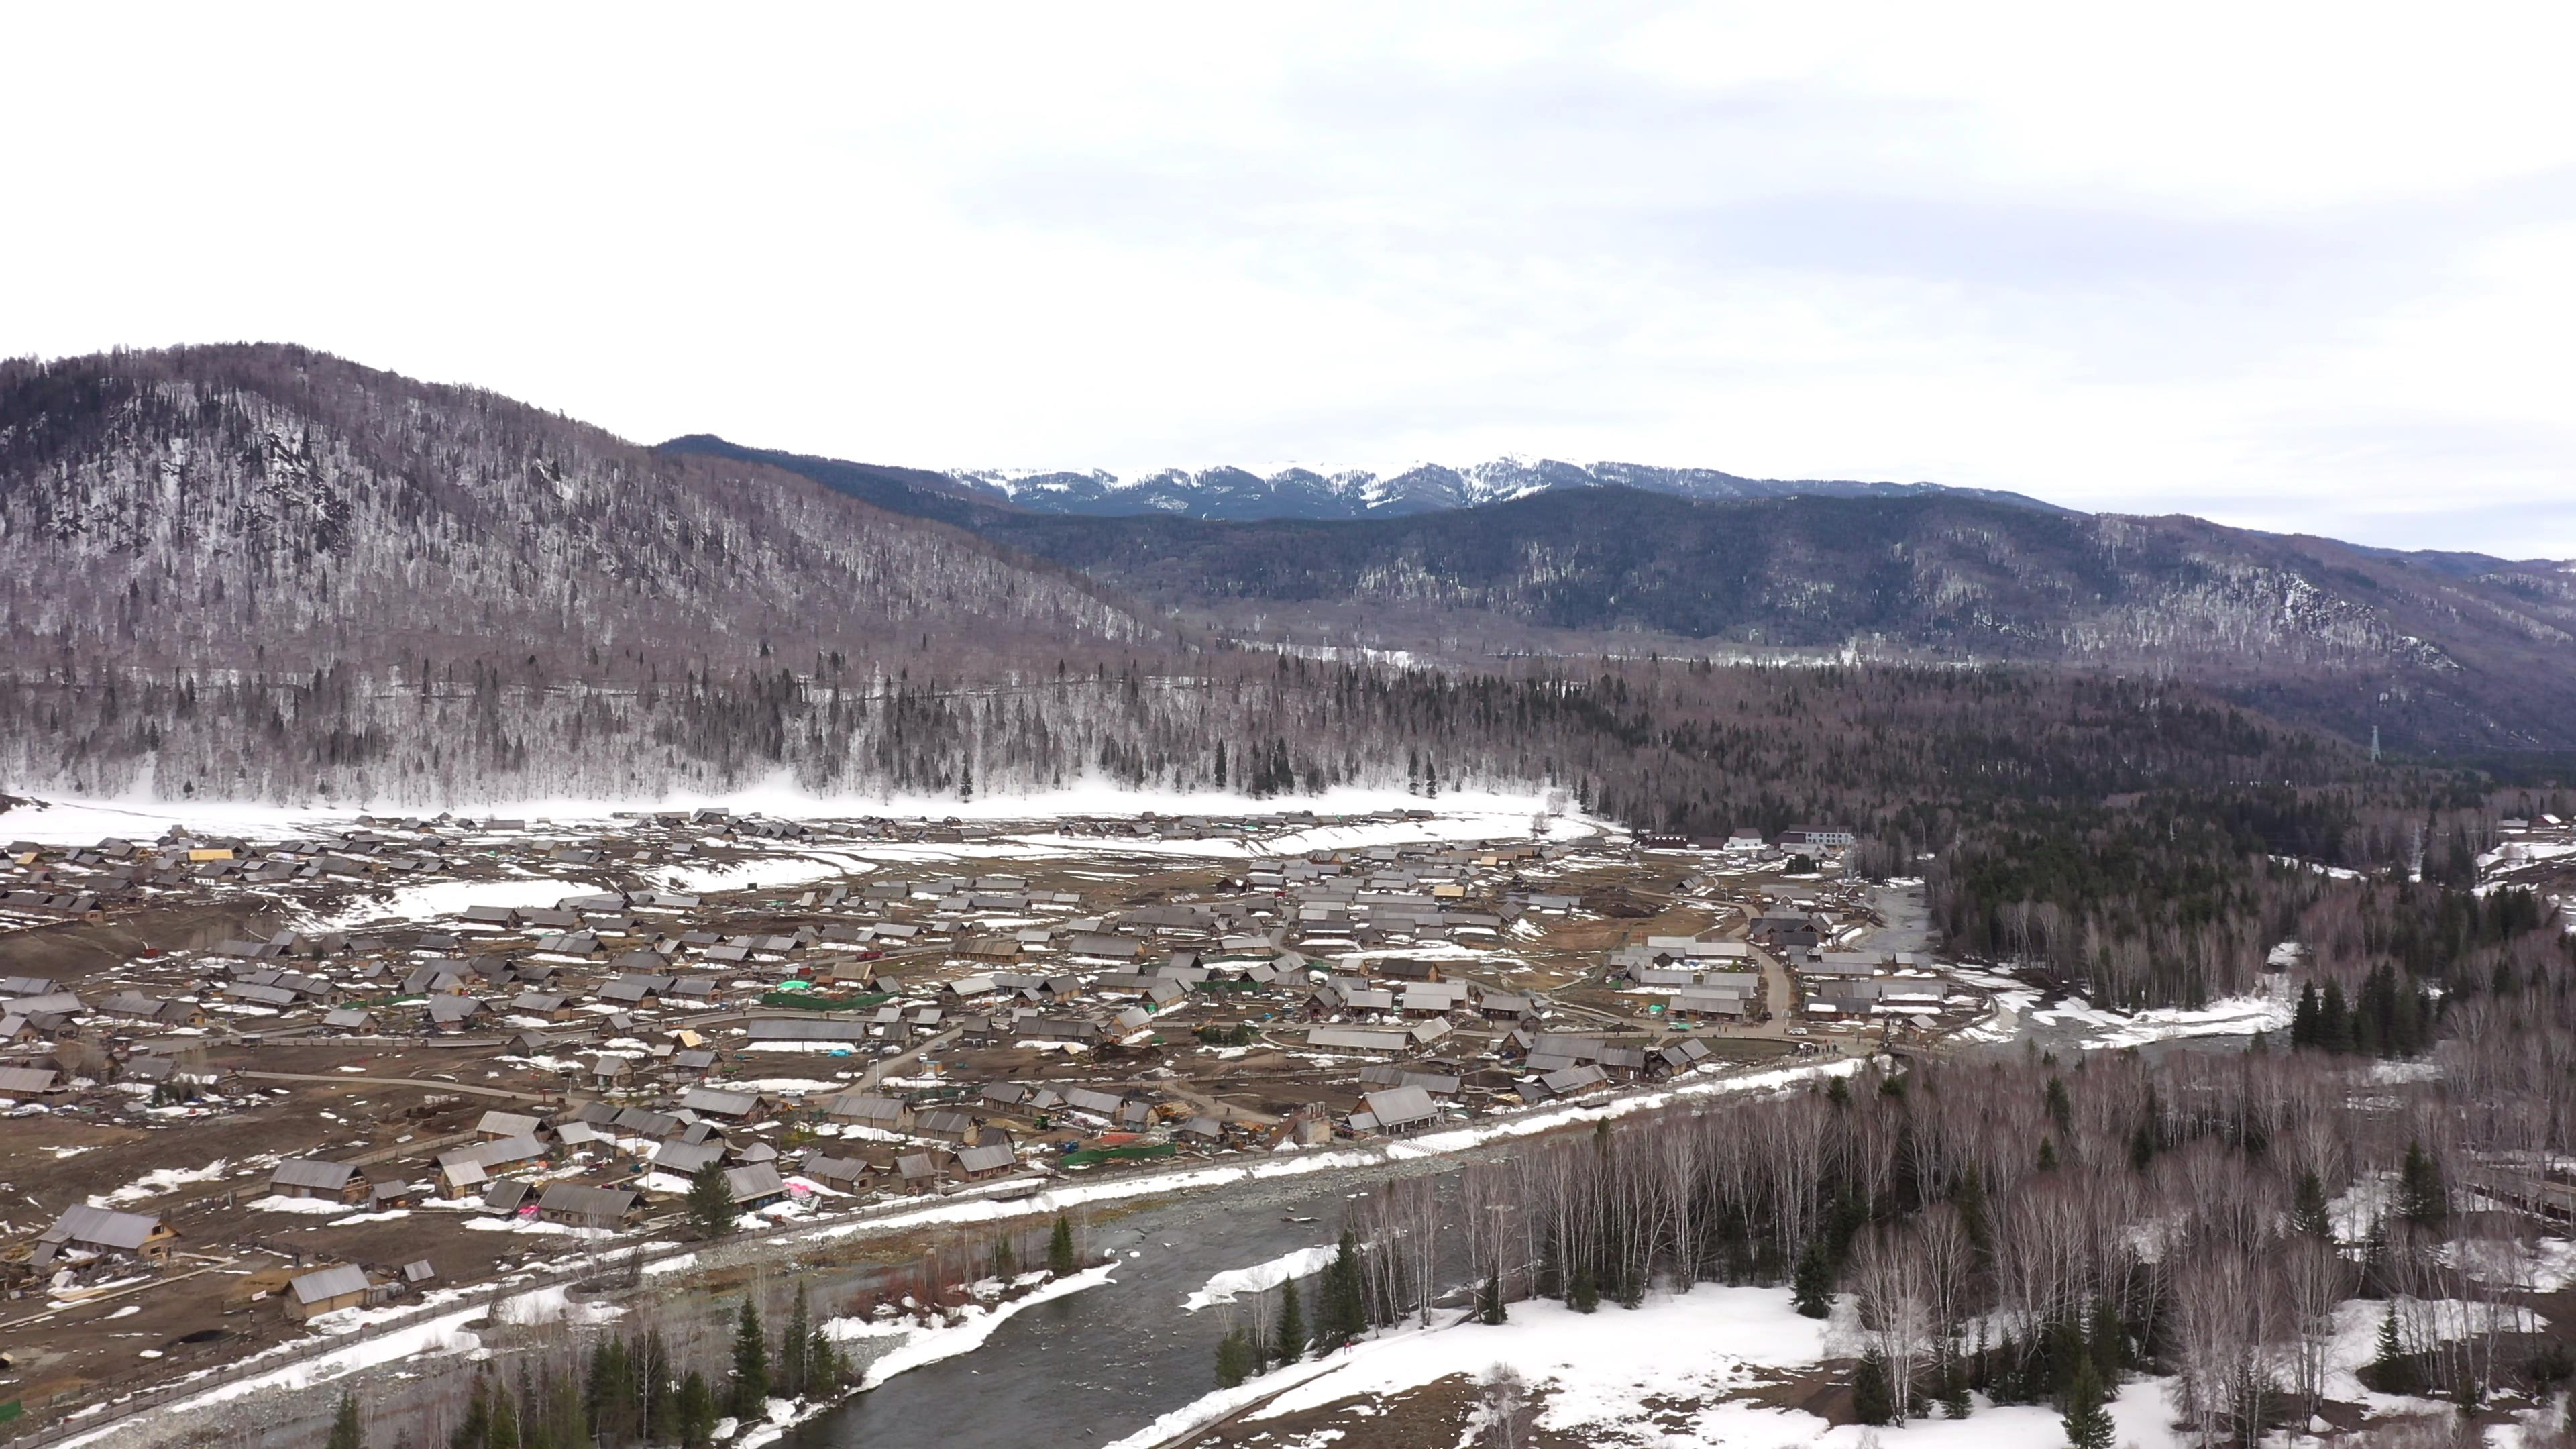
(2205, 1217)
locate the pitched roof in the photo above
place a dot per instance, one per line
(991, 1158)
(314, 1173)
(756, 1181)
(325, 1284)
(98, 1227)
(1402, 1106)
(576, 1200)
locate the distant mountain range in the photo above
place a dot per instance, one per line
(271, 509)
(2439, 650)
(1240, 495)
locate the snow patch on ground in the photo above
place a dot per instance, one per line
(439, 900)
(163, 1180)
(2235, 1016)
(975, 1323)
(1259, 1278)
(1594, 1371)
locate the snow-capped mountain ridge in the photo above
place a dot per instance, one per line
(1225, 491)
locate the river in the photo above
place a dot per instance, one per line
(1097, 1366)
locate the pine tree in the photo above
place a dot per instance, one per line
(566, 1418)
(1060, 1248)
(793, 1340)
(661, 1417)
(2423, 1199)
(505, 1419)
(2308, 1208)
(475, 1429)
(2088, 1423)
(1812, 1288)
(1291, 1335)
(2106, 1341)
(1344, 1311)
(1583, 1290)
(748, 1393)
(2334, 1021)
(826, 1367)
(612, 1394)
(709, 1204)
(694, 1411)
(1233, 1358)
(2303, 1020)
(1006, 1264)
(1490, 1308)
(2061, 1108)
(1871, 1401)
(345, 1433)
(2391, 1372)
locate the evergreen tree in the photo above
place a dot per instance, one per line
(693, 1411)
(2423, 1198)
(709, 1203)
(1490, 1308)
(475, 1429)
(505, 1419)
(1233, 1358)
(1343, 1314)
(1955, 1403)
(345, 1433)
(2303, 1020)
(1291, 1335)
(1060, 1248)
(2308, 1208)
(2106, 1341)
(661, 1416)
(612, 1394)
(2088, 1423)
(1812, 1289)
(1583, 1290)
(1006, 1265)
(1872, 1403)
(2048, 1154)
(1970, 1199)
(2061, 1108)
(827, 1369)
(566, 1420)
(2391, 1371)
(2334, 1021)
(748, 1393)
(793, 1341)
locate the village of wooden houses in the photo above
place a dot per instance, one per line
(252, 1084)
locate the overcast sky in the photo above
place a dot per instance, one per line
(2298, 271)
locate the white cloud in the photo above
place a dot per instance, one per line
(2295, 267)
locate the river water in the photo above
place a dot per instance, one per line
(1096, 1366)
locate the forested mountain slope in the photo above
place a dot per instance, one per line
(264, 506)
(2438, 652)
